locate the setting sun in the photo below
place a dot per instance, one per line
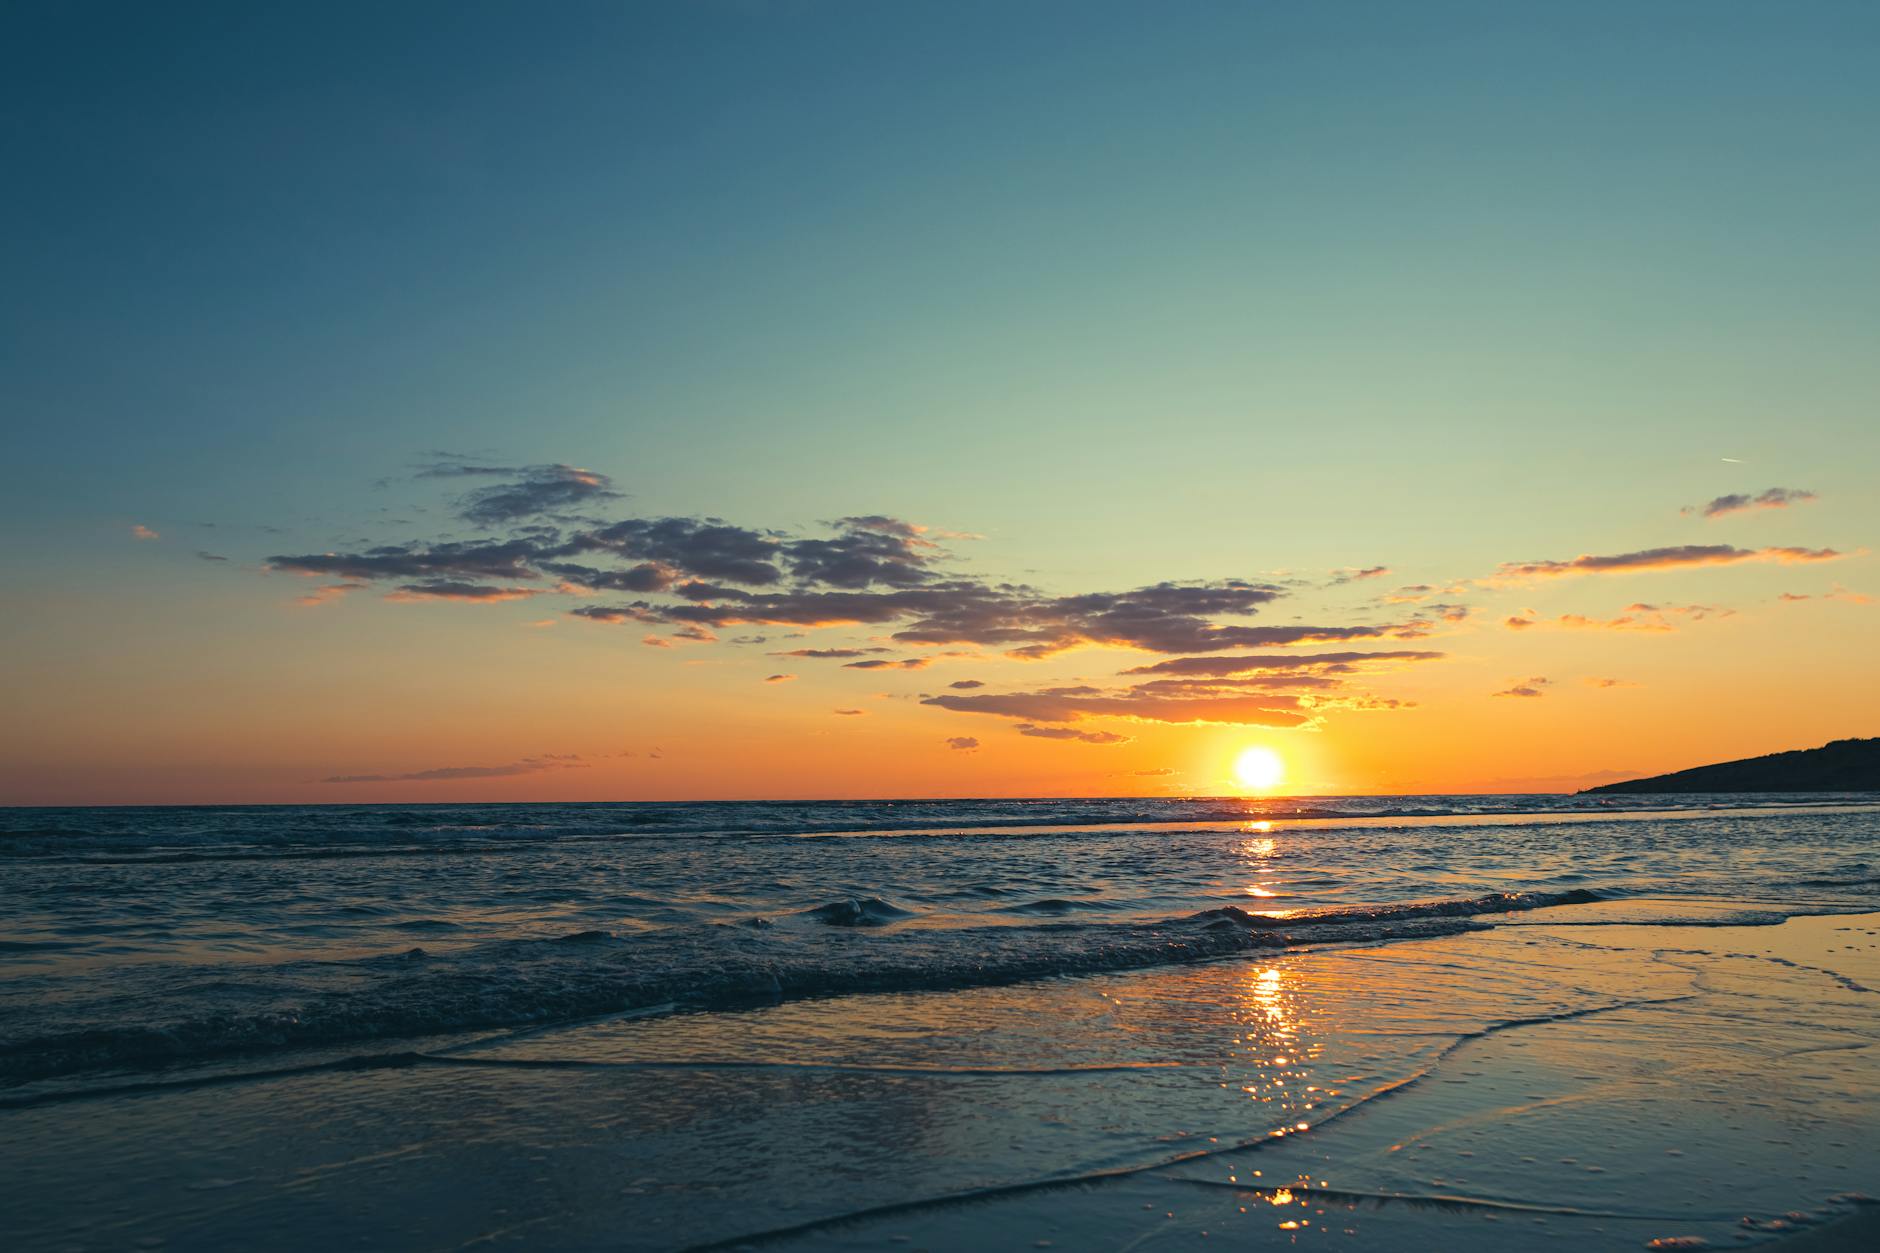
(1259, 768)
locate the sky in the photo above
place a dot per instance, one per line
(499, 401)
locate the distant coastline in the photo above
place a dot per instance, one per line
(1840, 766)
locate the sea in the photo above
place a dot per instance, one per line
(150, 937)
(831, 1024)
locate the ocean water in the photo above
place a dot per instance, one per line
(1474, 1023)
(138, 939)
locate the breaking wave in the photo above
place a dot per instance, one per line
(417, 993)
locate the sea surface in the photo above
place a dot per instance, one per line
(139, 939)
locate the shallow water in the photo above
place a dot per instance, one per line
(139, 938)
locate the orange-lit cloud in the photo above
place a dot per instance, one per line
(1837, 592)
(1773, 498)
(1528, 687)
(468, 593)
(439, 774)
(331, 592)
(1070, 704)
(141, 532)
(1678, 557)
(1068, 733)
(1637, 617)
(1352, 574)
(1330, 663)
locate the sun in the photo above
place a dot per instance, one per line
(1259, 768)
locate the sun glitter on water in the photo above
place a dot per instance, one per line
(1259, 768)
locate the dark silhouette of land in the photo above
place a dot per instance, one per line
(1843, 766)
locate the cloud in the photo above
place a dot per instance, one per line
(1598, 682)
(1528, 687)
(1336, 663)
(1165, 617)
(1067, 733)
(201, 555)
(332, 591)
(866, 551)
(532, 492)
(1170, 618)
(614, 613)
(869, 569)
(687, 578)
(962, 742)
(780, 678)
(1153, 774)
(483, 559)
(851, 713)
(1678, 557)
(1773, 498)
(473, 593)
(1637, 617)
(1069, 704)
(440, 774)
(1837, 592)
(831, 653)
(141, 532)
(1351, 575)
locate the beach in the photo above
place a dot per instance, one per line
(1620, 1068)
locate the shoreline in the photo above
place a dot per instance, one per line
(1433, 1080)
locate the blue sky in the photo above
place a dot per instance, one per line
(1137, 292)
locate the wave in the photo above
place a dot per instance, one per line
(168, 834)
(586, 974)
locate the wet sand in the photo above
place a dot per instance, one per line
(1545, 1084)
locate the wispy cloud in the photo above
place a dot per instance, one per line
(1070, 704)
(141, 532)
(830, 653)
(780, 678)
(470, 593)
(1070, 733)
(1836, 592)
(1772, 498)
(1528, 687)
(684, 579)
(962, 743)
(1352, 574)
(1329, 663)
(1636, 617)
(330, 592)
(1677, 557)
(531, 491)
(444, 774)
